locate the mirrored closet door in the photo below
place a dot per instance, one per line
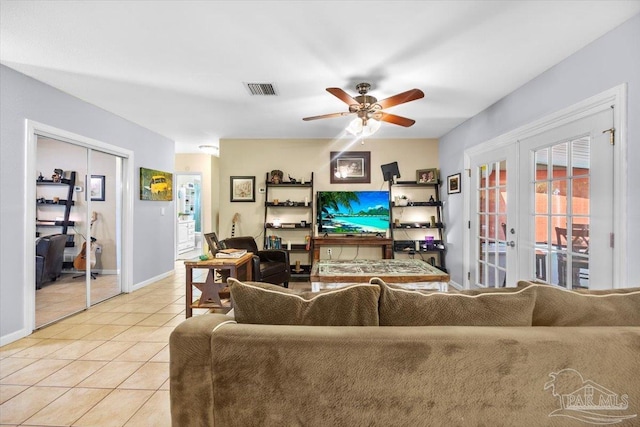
(78, 223)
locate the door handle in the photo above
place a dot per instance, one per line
(511, 243)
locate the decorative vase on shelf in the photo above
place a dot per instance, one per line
(401, 201)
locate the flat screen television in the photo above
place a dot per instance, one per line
(353, 212)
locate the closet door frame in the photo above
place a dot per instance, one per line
(33, 131)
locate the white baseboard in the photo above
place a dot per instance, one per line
(141, 285)
(456, 285)
(14, 336)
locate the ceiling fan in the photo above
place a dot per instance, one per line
(368, 107)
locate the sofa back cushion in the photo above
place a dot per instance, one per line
(561, 307)
(263, 303)
(401, 307)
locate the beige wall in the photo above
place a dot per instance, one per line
(207, 165)
(299, 158)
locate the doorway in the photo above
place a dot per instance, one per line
(544, 200)
(189, 235)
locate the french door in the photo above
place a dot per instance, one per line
(493, 212)
(567, 216)
(531, 210)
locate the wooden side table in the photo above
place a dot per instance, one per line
(210, 297)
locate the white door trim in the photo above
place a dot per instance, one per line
(615, 98)
(33, 130)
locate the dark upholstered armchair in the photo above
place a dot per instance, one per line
(270, 266)
(49, 257)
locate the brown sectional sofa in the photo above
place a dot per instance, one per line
(225, 373)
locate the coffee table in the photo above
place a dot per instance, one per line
(410, 273)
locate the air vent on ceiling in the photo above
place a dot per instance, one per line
(261, 89)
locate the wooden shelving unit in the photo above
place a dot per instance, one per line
(294, 201)
(420, 218)
(66, 203)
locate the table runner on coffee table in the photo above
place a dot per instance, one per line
(411, 273)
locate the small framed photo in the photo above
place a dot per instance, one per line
(427, 176)
(243, 188)
(212, 241)
(97, 188)
(350, 167)
(453, 184)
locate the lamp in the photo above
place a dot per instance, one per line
(361, 126)
(209, 149)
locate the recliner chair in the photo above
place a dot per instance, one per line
(49, 258)
(270, 266)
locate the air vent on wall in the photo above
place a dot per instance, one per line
(261, 89)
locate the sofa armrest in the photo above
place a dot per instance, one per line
(274, 255)
(190, 367)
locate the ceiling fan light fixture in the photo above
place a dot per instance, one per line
(355, 127)
(363, 127)
(371, 127)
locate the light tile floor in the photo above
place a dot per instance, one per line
(106, 366)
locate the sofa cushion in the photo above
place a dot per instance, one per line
(561, 307)
(401, 307)
(263, 303)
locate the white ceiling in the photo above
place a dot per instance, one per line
(178, 67)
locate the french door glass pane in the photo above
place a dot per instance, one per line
(542, 197)
(580, 157)
(559, 159)
(562, 227)
(542, 161)
(492, 227)
(483, 198)
(580, 189)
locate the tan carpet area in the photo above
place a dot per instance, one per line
(106, 366)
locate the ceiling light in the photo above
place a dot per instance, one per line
(209, 149)
(363, 127)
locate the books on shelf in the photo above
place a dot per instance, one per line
(230, 253)
(274, 242)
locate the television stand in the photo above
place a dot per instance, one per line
(386, 245)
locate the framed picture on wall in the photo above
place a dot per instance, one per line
(243, 188)
(350, 167)
(427, 176)
(453, 184)
(156, 185)
(96, 187)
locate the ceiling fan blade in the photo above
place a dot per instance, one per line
(342, 95)
(326, 116)
(396, 120)
(401, 98)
